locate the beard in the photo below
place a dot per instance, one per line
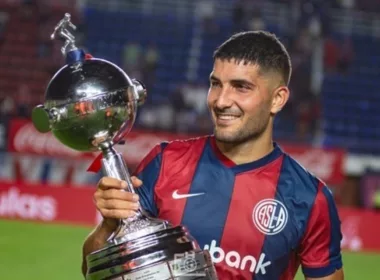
(251, 129)
(241, 135)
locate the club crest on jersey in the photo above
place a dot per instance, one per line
(270, 216)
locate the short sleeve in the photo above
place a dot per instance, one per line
(320, 250)
(148, 172)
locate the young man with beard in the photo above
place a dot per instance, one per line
(236, 191)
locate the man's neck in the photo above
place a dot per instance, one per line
(249, 151)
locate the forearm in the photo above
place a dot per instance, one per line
(95, 241)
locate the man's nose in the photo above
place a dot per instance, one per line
(224, 99)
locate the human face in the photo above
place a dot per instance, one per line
(239, 100)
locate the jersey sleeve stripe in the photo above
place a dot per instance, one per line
(335, 233)
(334, 255)
(323, 271)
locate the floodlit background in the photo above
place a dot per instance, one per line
(331, 124)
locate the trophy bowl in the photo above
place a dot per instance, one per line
(90, 105)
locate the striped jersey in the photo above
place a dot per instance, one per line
(259, 220)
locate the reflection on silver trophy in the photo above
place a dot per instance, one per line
(90, 105)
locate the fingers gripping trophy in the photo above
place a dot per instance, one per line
(90, 105)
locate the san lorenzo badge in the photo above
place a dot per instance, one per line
(270, 216)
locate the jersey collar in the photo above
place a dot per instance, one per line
(238, 168)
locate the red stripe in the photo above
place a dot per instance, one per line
(240, 233)
(316, 241)
(179, 162)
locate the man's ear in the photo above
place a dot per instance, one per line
(280, 97)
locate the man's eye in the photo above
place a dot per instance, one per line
(241, 87)
(215, 84)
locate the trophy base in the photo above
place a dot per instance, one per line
(193, 266)
(171, 253)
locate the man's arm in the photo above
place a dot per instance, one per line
(95, 241)
(320, 249)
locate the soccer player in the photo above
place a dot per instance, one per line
(259, 212)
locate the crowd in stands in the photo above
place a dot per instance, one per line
(186, 111)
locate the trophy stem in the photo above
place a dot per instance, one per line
(113, 165)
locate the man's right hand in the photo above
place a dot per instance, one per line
(113, 203)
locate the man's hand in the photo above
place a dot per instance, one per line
(113, 202)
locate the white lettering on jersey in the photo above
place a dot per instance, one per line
(233, 259)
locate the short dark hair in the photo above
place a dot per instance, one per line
(257, 47)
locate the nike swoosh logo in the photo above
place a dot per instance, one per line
(176, 195)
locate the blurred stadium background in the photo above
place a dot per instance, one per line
(331, 124)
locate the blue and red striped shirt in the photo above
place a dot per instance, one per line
(259, 220)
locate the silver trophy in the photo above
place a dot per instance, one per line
(90, 105)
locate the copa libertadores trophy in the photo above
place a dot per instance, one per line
(90, 105)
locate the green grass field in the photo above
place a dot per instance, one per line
(47, 252)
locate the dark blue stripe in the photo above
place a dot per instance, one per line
(149, 176)
(324, 271)
(205, 215)
(336, 234)
(297, 190)
(275, 154)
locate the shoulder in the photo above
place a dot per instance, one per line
(186, 143)
(302, 189)
(175, 150)
(175, 145)
(183, 146)
(308, 187)
(308, 197)
(299, 176)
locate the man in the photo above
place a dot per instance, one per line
(256, 209)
